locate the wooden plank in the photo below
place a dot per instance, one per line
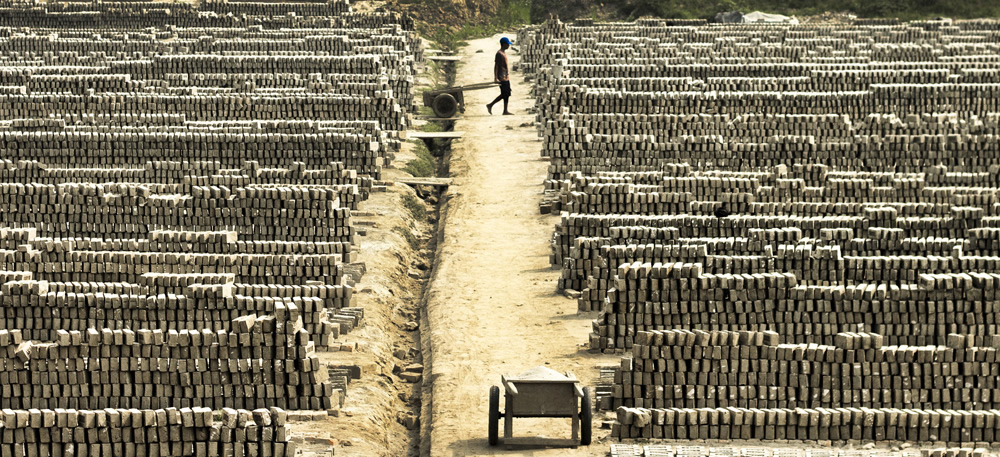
(478, 86)
(443, 182)
(433, 135)
(459, 89)
(444, 58)
(438, 118)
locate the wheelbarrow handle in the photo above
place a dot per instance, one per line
(479, 86)
(508, 386)
(576, 385)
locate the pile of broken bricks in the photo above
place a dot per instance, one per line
(410, 373)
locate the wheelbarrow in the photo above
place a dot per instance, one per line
(541, 392)
(447, 102)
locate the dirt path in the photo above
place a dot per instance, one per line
(492, 307)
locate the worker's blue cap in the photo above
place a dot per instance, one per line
(505, 41)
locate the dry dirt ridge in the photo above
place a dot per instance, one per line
(381, 411)
(376, 407)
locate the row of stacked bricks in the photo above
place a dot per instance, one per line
(882, 248)
(161, 282)
(653, 296)
(833, 222)
(694, 384)
(176, 188)
(721, 369)
(723, 450)
(834, 187)
(804, 424)
(265, 361)
(145, 432)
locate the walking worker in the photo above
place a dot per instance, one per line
(501, 74)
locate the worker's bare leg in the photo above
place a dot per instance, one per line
(505, 106)
(489, 106)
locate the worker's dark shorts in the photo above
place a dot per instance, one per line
(505, 88)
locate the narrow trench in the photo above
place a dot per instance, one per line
(436, 197)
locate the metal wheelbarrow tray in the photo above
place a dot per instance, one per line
(541, 392)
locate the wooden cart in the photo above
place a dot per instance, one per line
(541, 392)
(447, 102)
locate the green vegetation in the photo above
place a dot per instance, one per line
(415, 206)
(903, 9)
(408, 235)
(431, 127)
(424, 165)
(511, 14)
(705, 9)
(437, 75)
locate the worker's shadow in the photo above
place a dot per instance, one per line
(480, 446)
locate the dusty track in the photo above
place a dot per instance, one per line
(492, 307)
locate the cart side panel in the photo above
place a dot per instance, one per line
(544, 400)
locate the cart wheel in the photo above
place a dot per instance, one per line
(445, 106)
(494, 413)
(586, 416)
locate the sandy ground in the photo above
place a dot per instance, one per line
(369, 423)
(492, 307)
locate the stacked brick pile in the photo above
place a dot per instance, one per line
(314, 8)
(261, 362)
(833, 187)
(193, 149)
(176, 191)
(73, 209)
(835, 165)
(168, 431)
(720, 450)
(655, 296)
(807, 424)
(721, 369)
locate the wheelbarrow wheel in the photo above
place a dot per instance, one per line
(445, 106)
(586, 417)
(494, 415)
